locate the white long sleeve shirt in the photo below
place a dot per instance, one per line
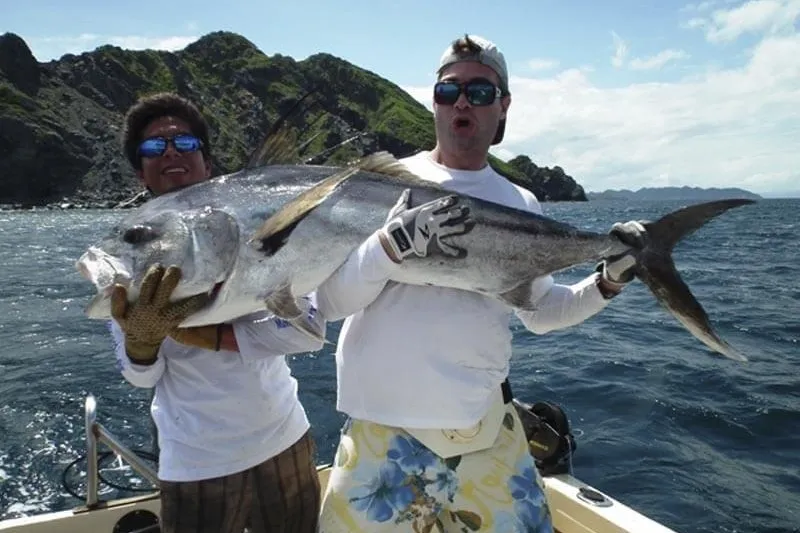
(430, 357)
(218, 413)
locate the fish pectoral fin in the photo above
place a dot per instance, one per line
(305, 327)
(283, 305)
(519, 297)
(275, 231)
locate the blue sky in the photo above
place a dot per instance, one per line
(619, 93)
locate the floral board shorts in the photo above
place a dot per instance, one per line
(385, 480)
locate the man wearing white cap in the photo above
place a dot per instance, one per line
(432, 441)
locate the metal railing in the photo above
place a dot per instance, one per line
(97, 434)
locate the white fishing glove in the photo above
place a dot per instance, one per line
(618, 269)
(420, 230)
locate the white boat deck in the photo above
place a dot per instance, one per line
(576, 507)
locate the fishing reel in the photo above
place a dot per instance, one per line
(550, 441)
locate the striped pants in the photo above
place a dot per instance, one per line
(279, 495)
(384, 480)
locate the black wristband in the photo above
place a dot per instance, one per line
(142, 362)
(605, 292)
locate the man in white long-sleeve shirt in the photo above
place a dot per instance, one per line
(234, 439)
(432, 439)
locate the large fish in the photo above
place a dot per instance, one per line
(261, 236)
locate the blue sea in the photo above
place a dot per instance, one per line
(693, 440)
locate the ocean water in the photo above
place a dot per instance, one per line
(696, 441)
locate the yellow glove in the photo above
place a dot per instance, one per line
(207, 337)
(149, 320)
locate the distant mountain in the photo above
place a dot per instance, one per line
(673, 193)
(60, 120)
(783, 194)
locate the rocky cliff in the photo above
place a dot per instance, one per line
(60, 121)
(548, 184)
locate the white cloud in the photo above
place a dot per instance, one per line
(647, 63)
(539, 64)
(699, 7)
(736, 127)
(134, 42)
(696, 22)
(620, 50)
(503, 153)
(754, 17)
(657, 61)
(47, 48)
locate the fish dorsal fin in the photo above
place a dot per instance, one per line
(279, 148)
(385, 163)
(280, 145)
(276, 229)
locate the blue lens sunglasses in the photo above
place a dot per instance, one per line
(156, 146)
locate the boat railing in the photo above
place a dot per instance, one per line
(97, 434)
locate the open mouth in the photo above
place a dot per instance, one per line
(462, 124)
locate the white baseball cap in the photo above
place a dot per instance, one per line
(484, 51)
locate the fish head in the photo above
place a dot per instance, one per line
(202, 242)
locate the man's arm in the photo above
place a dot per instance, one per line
(419, 231)
(358, 281)
(263, 335)
(561, 306)
(139, 375)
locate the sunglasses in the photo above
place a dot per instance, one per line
(156, 146)
(478, 92)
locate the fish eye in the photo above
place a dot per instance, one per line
(139, 235)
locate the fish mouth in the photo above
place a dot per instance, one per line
(105, 271)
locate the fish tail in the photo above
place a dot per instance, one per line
(657, 271)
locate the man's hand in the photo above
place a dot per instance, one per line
(148, 321)
(618, 270)
(420, 230)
